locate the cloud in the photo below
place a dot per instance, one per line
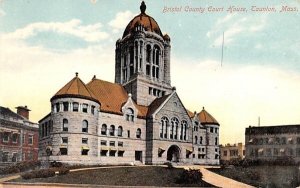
(35, 72)
(234, 26)
(74, 27)
(2, 13)
(120, 21)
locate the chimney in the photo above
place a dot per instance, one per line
(23, 111)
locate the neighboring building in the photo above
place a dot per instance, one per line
(273, 142)
(138, 119)
(18, 136)
(235, 151)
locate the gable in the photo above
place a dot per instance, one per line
(172, 107)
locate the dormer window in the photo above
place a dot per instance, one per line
(129, 114)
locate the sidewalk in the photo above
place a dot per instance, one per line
(218, 180)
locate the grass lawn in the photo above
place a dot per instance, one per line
(124, 176)
(264, 176)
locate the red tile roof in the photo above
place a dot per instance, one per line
(206, 119)
(112, 97)
(75, 88)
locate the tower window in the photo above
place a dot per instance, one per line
(85, 126)
(65, 125)
(138, 133)
(148, 70)
(66, 106)
(84, 108)
(75, 106)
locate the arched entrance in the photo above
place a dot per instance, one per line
(173, 153)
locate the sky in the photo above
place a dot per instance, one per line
(43, 44)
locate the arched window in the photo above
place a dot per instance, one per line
(103, 129)
(112, 130)
(129, 114)
(120, 131)
(85, 126)
(174, 128)
(184, 131)
(196, 140)
(65, 125)
(164, 127)
(138, 133)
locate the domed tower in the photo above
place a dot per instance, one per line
(75, 119)
(142, 59)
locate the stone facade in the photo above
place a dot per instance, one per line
(140, 119)
(273, 142)
(232, 151)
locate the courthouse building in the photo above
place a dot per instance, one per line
(138, 119)
(273, 142)
(18, 136)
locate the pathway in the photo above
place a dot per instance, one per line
(218, 180)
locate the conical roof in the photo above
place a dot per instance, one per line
(207, 119)
(75, 88)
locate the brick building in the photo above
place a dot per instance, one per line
(273, 142)
(18, 136)
(138, 119)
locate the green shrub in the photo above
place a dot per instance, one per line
(190, 177)
(20, 167)
(44, 173)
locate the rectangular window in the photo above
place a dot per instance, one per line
(138, 155)
(5, 157)
(66, 106)
(103, 142)
(30, 139)
(15, 138)
(63, 151)
(57, 106)
(30, 156)
(84, 108)
(64, 140)
(211, 129)
(199, 156)
(103, 153)
(225, 153)
(93, 110)
(5, 137)
(128, 133)
(84, 141)
(112, 153)
(120, 153)
(23, 138)
(112, 143)
(216, 130)
(14, 157)
(75, 106)
(84, 152)
(120, 144)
